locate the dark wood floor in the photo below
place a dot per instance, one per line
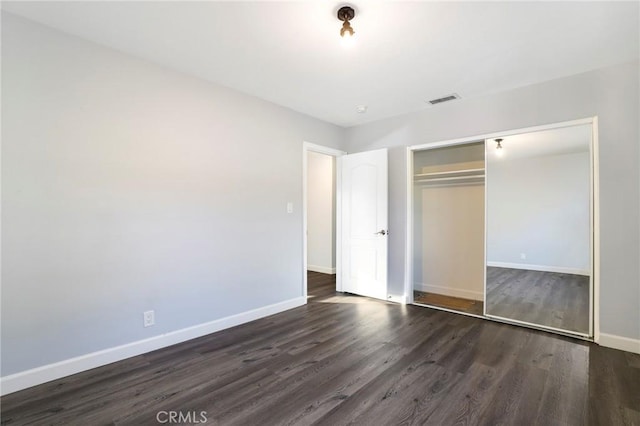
(468, 306)
(346, 359)
(545, 298)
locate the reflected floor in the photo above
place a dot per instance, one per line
(468, 306)
(546, 298)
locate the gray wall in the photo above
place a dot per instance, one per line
(128, 187)
(321, 204)
(612, 95)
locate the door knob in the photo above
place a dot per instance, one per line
(383, 232)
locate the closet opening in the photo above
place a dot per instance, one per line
(448, 225)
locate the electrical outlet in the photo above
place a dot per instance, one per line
(523, 256)
(149, 318)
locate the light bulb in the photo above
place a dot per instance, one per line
(347, 40)
(499, 149)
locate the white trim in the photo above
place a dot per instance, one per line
(594, 325)
(480, 138)
(619, 342)
(397, 299)
(543, 268)
(306, 148)
(46, 373)
(485, 224)
(408, 251)
(338, 247)
(321, 269)
(449, 291)
(305, 165)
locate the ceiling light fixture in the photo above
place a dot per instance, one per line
(499, 151)
(346, 14)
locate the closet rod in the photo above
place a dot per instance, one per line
(455, 178)
(450, 172)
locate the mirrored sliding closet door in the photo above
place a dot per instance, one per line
(539, 227)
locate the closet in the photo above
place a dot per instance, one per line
(449, 227)
(504, 227)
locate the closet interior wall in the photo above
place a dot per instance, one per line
(449, 221)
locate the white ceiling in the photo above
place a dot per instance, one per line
(406, 52)
(560, 141)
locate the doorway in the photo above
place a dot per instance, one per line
(320, 219)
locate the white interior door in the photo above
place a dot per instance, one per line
(364, 223)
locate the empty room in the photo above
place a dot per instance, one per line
(270, 213)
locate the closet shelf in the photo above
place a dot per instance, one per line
(451, 176)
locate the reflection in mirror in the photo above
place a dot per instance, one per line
(538, 228)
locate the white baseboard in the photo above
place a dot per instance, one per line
(449, 291)
(619, 342)
(46, 373)
(397, 299)
(543, 268)
(321, 269)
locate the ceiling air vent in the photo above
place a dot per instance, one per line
(444, 99)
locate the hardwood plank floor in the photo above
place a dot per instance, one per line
(346, 359)
(459, 304)
(545, 298)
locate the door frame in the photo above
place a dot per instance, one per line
(308, 147)
(594, 312)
